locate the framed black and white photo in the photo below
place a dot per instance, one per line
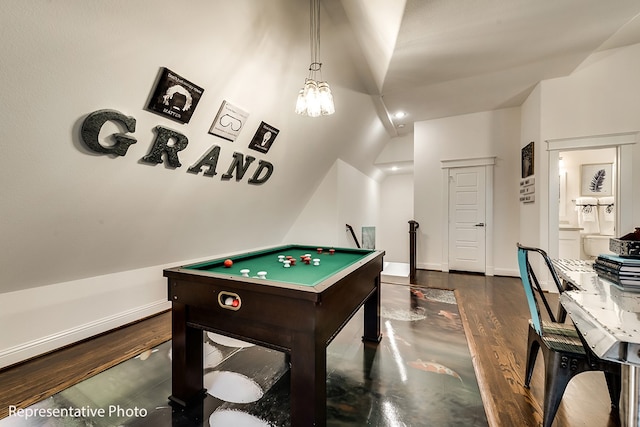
(174, 96)
(264, 137)
(596, 180)
(527, 160)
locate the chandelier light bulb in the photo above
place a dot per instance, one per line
(326, 99)
(312, 98)
(301, 103)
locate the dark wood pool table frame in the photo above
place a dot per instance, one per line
(298, 320)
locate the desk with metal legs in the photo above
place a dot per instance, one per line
(609, 320)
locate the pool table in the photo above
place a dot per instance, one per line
(297, 310)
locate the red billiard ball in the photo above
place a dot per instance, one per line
(228, 263)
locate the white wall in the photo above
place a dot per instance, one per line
(72, 219)
(345, 196)
(494, 133)
(396, 210)
(398, 150)
(358, 202)
(529, 230)
(318, 222)
(598, 99)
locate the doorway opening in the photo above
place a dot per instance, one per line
(587, 202)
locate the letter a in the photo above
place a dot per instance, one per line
(209, 159)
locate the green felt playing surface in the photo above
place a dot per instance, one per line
(299, 274)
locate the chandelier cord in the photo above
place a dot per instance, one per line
(314, 38)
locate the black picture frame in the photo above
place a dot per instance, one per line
(174, 96)
(264, 138)
(528, 166)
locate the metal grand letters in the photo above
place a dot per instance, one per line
(169, 143)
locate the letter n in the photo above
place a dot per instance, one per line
(239, 165)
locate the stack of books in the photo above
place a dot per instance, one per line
(622, 271)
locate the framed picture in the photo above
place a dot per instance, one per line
(229, 121)
(527, 160)
(596, 180)
(174, 96)
(264, 138)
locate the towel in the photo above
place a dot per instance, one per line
(587, 208)
(586, 201)
(607, 213)
(610, 200)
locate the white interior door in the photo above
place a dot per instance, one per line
(467, 219)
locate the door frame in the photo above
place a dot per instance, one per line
(446, 165)
(623, 142)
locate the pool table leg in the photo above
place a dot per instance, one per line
(308, 380)
(372, 315)
(187, 374)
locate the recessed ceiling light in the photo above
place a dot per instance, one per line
(399, 114)
(401, 125)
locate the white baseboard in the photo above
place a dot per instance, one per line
(506, 272)
(42, 319)
(491, 271)
(51, 342)
(38, 320)
(429, 266)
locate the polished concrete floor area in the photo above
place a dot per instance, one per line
(420, 374)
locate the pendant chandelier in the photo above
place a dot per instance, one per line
(315, 97)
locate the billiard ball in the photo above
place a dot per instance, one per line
(228, 263)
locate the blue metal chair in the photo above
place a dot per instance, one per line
(565, 352)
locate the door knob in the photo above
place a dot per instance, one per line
(480, 224)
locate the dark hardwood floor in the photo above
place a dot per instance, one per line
(493, 310)
(495, 315)
(27, 383)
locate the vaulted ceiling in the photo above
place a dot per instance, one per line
(440, 58)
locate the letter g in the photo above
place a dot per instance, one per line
(91, 130)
